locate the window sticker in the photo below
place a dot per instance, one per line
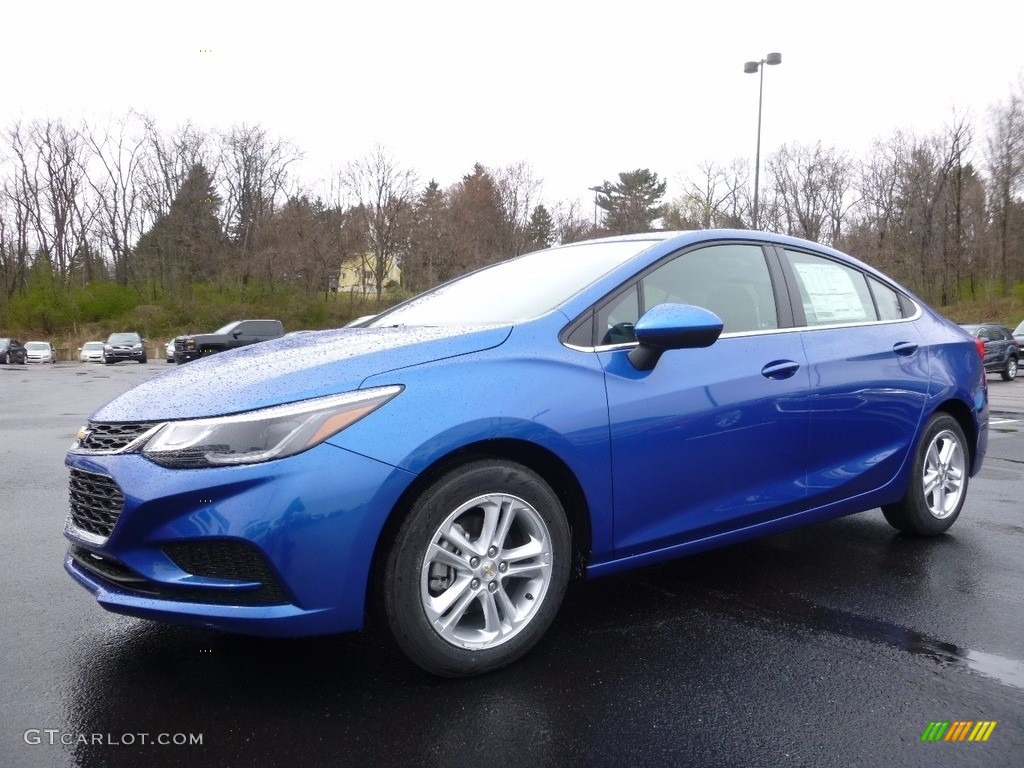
(832, 293)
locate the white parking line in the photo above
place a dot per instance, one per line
(1002, 421)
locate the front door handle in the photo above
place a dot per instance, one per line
(780, 369)
(904, 348)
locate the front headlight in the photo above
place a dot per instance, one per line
(270, 433)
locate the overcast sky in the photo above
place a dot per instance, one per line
(579, 90)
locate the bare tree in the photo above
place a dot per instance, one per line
(254, 172)
(386, 193)
(49, 180)
(1005, 160)
(571, 224)
(518, 191)
(712, 200)
(810, 191)
(120, 150)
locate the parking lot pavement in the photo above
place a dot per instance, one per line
(838, 644)
(1006, 396)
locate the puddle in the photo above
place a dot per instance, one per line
(795, 610)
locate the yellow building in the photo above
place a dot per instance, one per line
(356, 275)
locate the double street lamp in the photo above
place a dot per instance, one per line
(750, 68)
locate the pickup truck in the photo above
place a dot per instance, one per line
(239, 333)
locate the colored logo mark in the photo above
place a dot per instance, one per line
(958, 730)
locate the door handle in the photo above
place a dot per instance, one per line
(904, 348)
(780, 369)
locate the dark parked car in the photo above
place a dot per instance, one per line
(124, 346)
(1002, 351)
(240, 333)
(452, 463)
(12, 351)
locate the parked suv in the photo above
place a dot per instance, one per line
(240, 333)
(1001, 350)
(124, 346)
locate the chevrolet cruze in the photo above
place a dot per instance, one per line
(450, 464)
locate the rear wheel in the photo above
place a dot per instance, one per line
(938, 483)
(477, 570)
(1009, 372)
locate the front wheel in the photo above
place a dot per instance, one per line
(1009, 372)
(7, 358)
(478, 569)
(938, 483)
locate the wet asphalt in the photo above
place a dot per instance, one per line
(833, 645)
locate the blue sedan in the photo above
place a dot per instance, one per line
(451, 463)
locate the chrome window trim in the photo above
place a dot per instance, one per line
(764, 332)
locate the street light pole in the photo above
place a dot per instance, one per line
(596, 191)
(750, 68)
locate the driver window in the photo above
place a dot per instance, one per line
(731, 280)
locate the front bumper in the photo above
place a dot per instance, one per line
(282, 548)
(117, 355)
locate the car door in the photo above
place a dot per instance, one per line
(868, 375)
(711, 439)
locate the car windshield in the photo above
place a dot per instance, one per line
(227, 328)
(93, 345)
(1018, 331)
(514, 290)
(123, 338)
(37, 345)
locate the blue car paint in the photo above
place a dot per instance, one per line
(317, 517)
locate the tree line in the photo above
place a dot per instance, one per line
(101, 219)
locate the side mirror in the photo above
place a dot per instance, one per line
(672, 326)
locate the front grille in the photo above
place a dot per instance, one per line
(112, 437)
(96, 502)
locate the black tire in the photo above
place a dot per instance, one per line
(943, 455)
(143, 361)
(1009, 372)
(7, 358)
(415, 578)
(107, 361)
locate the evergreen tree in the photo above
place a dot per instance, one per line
(633, 204)
(429, 245)
(480, 231)
(540, 232)
(185, 244)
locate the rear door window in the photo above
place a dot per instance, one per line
(831, 293)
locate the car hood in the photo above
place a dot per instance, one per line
(290, 369)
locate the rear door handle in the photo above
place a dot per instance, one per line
(904, 348)
(780, 369)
